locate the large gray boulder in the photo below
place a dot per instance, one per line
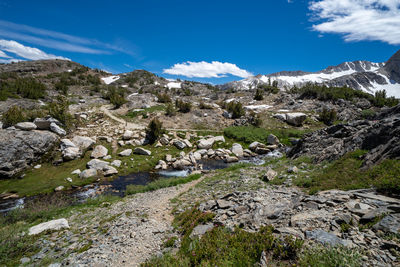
(97, 164)
(237, 149)
(99, 152)
(19, 149)
(206, 143)
(296, 118)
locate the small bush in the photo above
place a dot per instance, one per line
(236, 109)
(170, 110)
(328, 116)
(115, 95)
(256, 120)
(182, 106)
(154, 130)
(164, 98)
(259, 95)
(12, 116)
(203, 105)
(59, 110)
(367, 114)
(61, 87)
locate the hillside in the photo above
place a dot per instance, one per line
(134, 169)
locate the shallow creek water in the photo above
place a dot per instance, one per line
(118, 185)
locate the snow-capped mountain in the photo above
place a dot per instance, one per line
(362, 75)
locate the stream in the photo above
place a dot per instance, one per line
(118, 185)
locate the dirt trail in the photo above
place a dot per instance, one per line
(137, 234)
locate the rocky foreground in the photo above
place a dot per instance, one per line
(133, 230)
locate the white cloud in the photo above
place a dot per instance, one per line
(359, 20)
(203, 69)
(25, 52)
(58, 40)
(4, 55)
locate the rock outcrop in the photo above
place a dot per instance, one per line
(381, 137)
(20, 149)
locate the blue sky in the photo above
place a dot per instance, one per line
(231, 39)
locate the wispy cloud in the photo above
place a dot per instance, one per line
(22, 52)
(57, 40)
(203, 69)
(359, 20)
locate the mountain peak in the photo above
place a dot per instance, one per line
(392, 67)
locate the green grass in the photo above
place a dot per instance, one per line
(330, 257)
(222, 247)
(345, 174)
(160, 183)
(249, 134)
(48, 177)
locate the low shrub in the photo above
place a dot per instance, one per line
(154, 130)
(236, 109)
(259, 95)
(328, 116)
(59, 110)
(182, 106)
(170, 110)
(116, 96)
(203, 105)
(164, 98)
(368, 114)
(12, 116)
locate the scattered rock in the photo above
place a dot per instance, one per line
(99, 152)
(59, 188)
(272, 140)
(88, 173)
(57, 129)
(179, 144)
(97, 164)
(77, 171)
(142, 151)
(237, 149)
(50, 225)
(25, 126)
(126, 152)
(324, 237)
(116, 163)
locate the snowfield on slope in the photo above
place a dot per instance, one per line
(110, 79)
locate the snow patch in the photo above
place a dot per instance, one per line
(257, 107)
(176, 85)
(110, 79)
